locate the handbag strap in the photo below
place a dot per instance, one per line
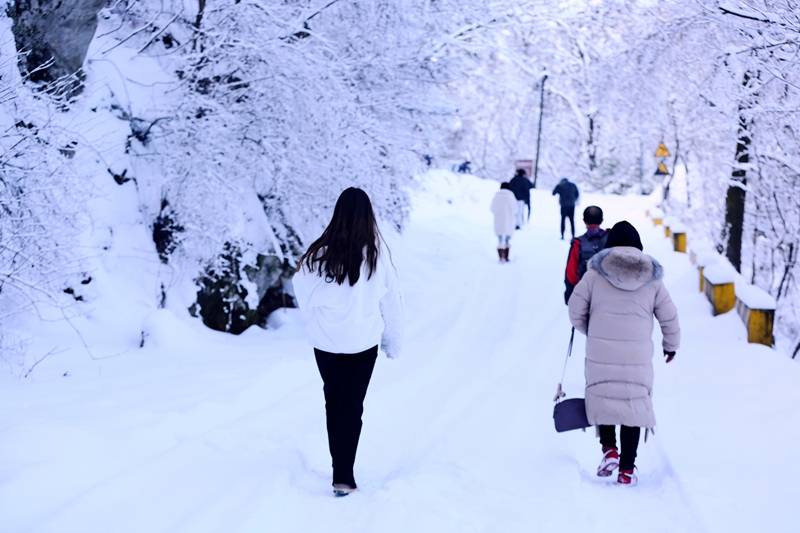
(559, 391)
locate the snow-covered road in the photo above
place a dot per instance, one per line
(202, 432)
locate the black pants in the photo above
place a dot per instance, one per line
(630, 443)
(568, 213)
(345, 378)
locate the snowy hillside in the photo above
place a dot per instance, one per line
(200, 431)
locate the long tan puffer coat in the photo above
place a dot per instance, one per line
(613, 305)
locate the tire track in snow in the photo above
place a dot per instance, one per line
(507, 296)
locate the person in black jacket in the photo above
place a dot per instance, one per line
(568, 195)
(521, 186)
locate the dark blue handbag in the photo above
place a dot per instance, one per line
(569, 414)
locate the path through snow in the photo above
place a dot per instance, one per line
(208, 433)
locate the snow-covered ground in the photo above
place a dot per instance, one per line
(202, 432)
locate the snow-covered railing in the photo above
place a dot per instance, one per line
(679, 241)
(656, 215)
(756, 307)
(673, 228)
(668, 223)
(724, 287)
(719, 288)
(702, 260)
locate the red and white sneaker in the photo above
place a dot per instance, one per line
(609, 463)
(628, 477)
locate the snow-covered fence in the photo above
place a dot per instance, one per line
(757, 310)
(719, 288)
(668, 223)
(726, 289)
(701, 261)
(657, 216)
(679, 238)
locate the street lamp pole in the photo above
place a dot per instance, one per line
(539, 133)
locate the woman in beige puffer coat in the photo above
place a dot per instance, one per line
(613, 305)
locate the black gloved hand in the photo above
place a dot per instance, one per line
(669, 355)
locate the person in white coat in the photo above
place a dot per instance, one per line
(347, 291)
(504, 207)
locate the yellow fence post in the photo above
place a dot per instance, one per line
(703, 260)
(657, 216)
(679, 241)
(756, 308)
(718, 285)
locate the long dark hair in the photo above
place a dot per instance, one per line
(352, 232)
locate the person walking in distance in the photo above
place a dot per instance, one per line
(504, 207)
(583, 248)
(568, 195)
(613, 305)
(521, 186)
(347, 291)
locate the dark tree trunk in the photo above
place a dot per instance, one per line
(737, 189)
(201, 10)
(668, 184)
(676, 155)
(734, 215)
(198, 22)
(685, 159)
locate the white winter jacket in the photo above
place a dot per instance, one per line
(504, 207)
(345, 320)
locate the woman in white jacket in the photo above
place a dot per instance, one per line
(346, 289)
(504, 207)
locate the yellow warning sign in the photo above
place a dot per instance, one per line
(662, 169)
(662, 150)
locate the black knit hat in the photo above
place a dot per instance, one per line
(624, 234)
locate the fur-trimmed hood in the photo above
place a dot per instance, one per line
(626, 267)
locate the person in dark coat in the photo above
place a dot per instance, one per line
(583, 248)
(521, 187)
(568, 195)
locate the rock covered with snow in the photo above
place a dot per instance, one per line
(56, 36)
